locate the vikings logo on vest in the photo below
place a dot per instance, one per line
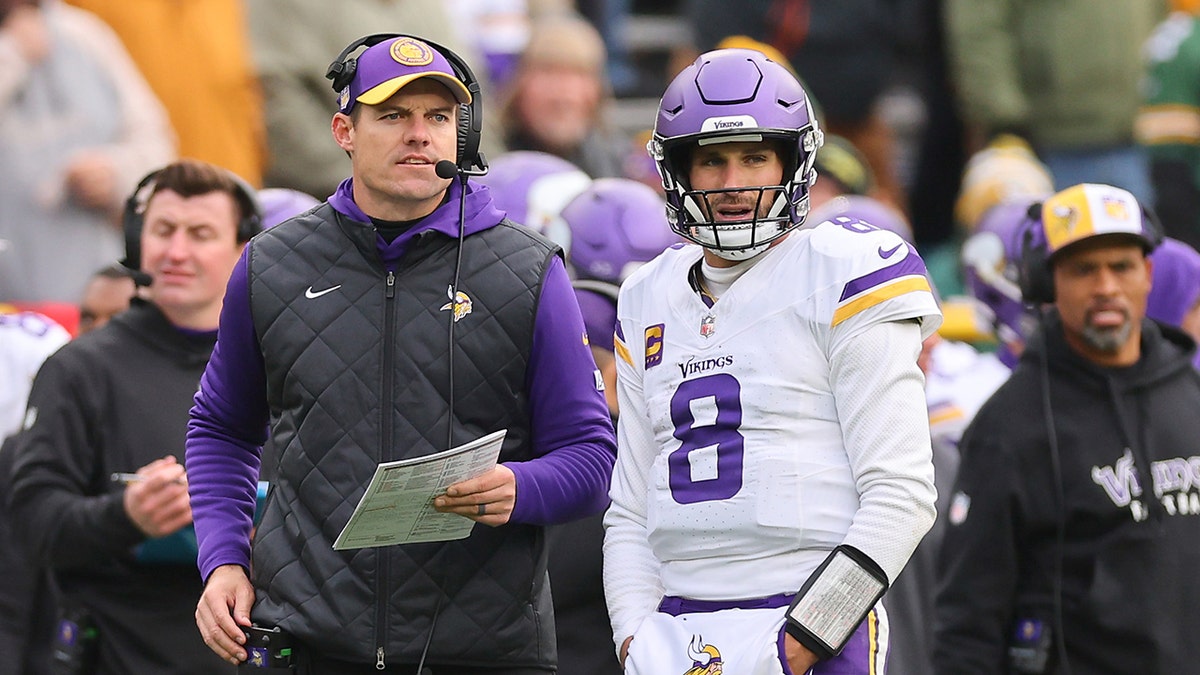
(654, 345)
(729, 123)
(409, 52)
(459, 301)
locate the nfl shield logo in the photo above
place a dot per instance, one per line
(708, 326)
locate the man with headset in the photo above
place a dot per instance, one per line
(403, 316)
(1073, 533)
(99, 491)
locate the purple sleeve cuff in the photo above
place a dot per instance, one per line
(572, 433)
(225, 434)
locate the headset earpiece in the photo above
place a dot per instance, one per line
(470, 116)
(1037, 285)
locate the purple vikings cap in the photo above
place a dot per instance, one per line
(617, 225)
(1176, 286)
(383, 69)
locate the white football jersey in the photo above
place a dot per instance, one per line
(26, 339)
(737, 468)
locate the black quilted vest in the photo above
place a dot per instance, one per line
(360, 375)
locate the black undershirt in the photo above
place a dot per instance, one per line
(390, 229)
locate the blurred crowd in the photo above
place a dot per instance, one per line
(945, 121)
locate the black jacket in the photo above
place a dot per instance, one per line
(485, 598)
(1125, 440)
(113, 400)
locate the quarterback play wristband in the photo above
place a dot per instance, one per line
(835, 600)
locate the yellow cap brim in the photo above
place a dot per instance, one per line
(385, 90)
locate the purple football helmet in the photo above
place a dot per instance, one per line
(533, 187)
(731, 95)
(279, 204)
(617, 224)
(991, 259)
(848, 208)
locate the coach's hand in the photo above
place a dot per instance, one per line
(487, 499)
(224, 610)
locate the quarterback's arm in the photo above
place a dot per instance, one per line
(632, 580)
(225, 434)
(572, 434)
(880, 398)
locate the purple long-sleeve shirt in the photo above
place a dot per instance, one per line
(574, 452)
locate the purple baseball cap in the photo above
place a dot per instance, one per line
(385, 68)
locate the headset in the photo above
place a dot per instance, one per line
(468, 160)
(134, 214)
(1034, 275)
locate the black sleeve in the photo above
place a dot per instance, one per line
(977, 564)
(62, 507)
(1177, 198)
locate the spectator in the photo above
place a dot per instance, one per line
(116, 400)
(78, 127)
(370, 363)
(1072, 94)
(559, 97)
(1168, 123)
(196, 57)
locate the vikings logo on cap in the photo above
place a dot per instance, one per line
(410, 52)
(1089, 210)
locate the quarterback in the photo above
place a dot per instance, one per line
(774, 469)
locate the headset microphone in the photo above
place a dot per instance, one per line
(447, 169)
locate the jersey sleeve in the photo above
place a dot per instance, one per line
(632, 581)
(879, 393)
(867, 276)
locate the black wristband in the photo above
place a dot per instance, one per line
(835, 600)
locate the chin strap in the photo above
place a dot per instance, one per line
(835, 600)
